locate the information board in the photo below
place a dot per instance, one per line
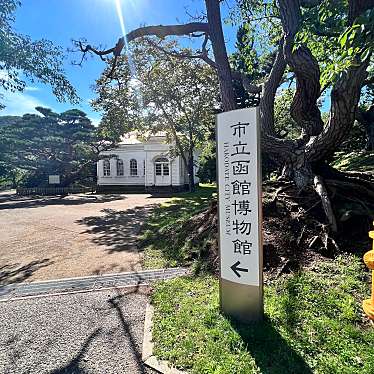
(239, 191)
(54, 179)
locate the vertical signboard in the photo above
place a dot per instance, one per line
(239, 191)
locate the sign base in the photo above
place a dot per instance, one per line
(241, 302)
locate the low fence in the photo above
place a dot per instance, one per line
(45, 191)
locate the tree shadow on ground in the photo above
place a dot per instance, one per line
(19, 202)
(119, 230)
(15, 273)
(74, 366)
(272, 353)
(117, 303)
(163, 230)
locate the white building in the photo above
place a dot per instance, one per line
(140, 166)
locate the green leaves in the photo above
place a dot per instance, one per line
(355, 45)
(49, 143)
(166, 93)
(38, 60)
(336, 44)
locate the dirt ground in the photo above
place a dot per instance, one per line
(77, 235)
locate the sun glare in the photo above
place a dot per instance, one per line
(127, 49)
(120, 16)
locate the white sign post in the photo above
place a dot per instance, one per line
(54, 179)
(239, 192)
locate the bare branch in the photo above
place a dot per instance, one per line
(159, 31)
(197, 17)
(116, 51)
(320, 188)
(163, 31)
(205, 42)
(203, 54)
(199, 35)
(248, 86)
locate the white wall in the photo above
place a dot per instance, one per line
(142, 153)
(126, 179)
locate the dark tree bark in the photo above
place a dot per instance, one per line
(344, 100)
(191, 177)
(366, 119)
(220, 54)
(317, 142)
(356, 7)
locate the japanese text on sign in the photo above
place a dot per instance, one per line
(238, 171)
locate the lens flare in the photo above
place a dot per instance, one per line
(127, 49)
(120, 17)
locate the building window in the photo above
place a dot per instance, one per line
(120, 170)
(106, 168)
(165, 169)
(133, 167)
(162, 166)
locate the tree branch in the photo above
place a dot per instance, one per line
(269, 90)
(116, 51)
(203, 54)
(162, 31)
(345, 96)
(159, 31)
(247, 84)
(304, 108)
(320, 188)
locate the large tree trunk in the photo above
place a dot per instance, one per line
(191, 176)
(318, 142)
(370, 137)
(220, 54)
(366, 119)
(345, 96)
(302, 156)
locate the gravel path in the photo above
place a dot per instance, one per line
(98, 332)
(77, 235)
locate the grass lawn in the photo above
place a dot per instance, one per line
(162, 247)
(354, 161)
(313, 324)
(313, 319)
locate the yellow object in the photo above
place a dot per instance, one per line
(368, 304)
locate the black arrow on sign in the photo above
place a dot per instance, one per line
(235, 268)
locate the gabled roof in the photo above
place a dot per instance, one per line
(135, 138)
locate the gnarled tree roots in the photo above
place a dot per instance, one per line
(329, 217)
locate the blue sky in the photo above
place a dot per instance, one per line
(96, 20)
